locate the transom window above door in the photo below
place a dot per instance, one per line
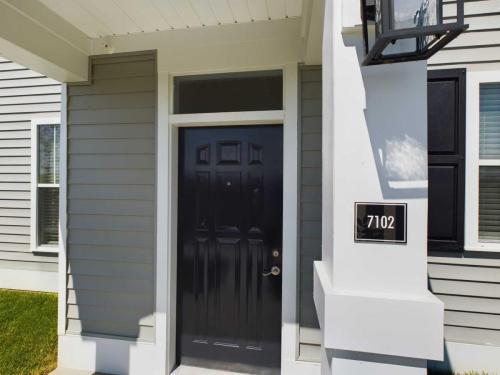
(229, 92)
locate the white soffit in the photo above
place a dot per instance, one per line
(100, 18)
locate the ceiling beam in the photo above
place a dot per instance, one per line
(233, 46)
(35, 37)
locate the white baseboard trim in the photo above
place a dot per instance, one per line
(124, 357)
(111, 356)
(289, 367)
(462, 358)
(39, 281)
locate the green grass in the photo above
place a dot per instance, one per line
(28, 332)
(449, 373)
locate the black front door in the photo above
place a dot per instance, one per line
(230, 236)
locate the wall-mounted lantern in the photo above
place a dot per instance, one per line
(408, 30)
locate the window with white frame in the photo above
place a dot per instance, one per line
(489, 163)
(482, 187)
(45, 185)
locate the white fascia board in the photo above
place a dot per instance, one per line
(312, 31)
(33, 36)
(214, 48)
(228, 118)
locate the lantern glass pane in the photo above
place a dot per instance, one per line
(401, 46)
(415, 13)
(373, 22)
(378, 17)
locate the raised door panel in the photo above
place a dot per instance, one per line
(442, 199)
(443, 117)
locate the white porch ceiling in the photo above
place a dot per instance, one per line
(100, 18)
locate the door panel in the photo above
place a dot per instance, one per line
(442, 216)
(230, 221)
(443, 116)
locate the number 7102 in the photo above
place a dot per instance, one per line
(380, 222)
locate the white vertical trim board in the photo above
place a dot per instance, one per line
(290, 327)
(472, 163)
(173, 183)
(63, 147)
(35, 123)
(165, 260)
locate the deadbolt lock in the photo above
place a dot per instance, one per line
(276, 253)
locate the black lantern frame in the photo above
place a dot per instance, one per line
(428, 39)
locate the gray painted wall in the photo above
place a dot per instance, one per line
(470, 289)
(469, 284)
(24, 95)
(310, 207)
(481, 43)
(111, 198)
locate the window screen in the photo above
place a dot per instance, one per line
(48, 184)
(489, 169)
(48, 154)
(48, 217)
(234, 92)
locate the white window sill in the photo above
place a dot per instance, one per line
(485, 247)
(47, 249)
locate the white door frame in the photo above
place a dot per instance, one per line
(167, 169)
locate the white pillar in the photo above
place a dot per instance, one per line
(376, 313)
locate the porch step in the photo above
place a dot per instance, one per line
(189, 370)
(70, 371)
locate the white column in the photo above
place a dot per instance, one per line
(376, 313)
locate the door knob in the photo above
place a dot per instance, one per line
(275, 271)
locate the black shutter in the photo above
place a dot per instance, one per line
(446, 137)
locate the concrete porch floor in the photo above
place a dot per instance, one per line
(189, 370)
(67, 371)
(181, 370)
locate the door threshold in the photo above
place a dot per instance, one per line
(191, 370)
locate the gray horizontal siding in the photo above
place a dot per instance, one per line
(111, 199)
(310, 207)
(470, 286)
(24, 95)
(26, 263)
(480, 43)
(470, 290)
